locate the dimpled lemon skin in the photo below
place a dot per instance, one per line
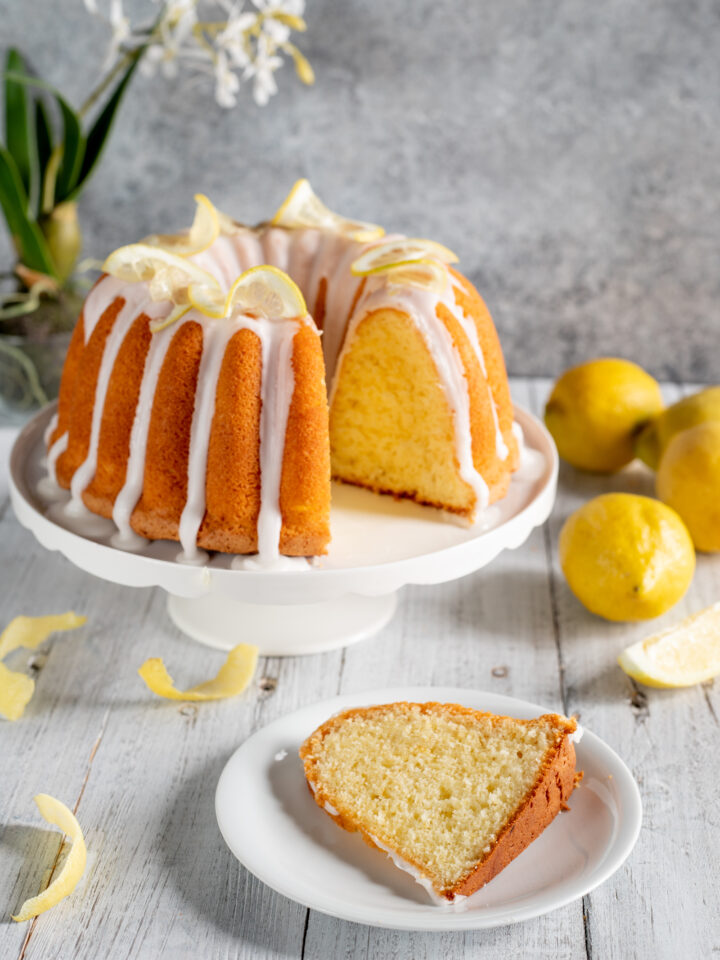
(688, 479)
(626, 557)
(595, 409)
(652, 441)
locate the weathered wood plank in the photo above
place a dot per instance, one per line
(160, 881)
(489, 631)
(663, 903)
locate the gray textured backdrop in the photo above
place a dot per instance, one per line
(568, 150)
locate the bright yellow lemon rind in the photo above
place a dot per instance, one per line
(55, 812)
(303, 208)
(232, 678)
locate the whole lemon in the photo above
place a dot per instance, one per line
(652, 441)
(688, 479)
(595, 409)
(626, 557)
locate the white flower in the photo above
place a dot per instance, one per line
(253, 41)
(233, 39)
(294, 8)
(262, 70)
(226, 82)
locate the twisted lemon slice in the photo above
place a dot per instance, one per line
(303, 208)
(396, 253)
(65, 882)
(261, 291)
(232, 678)
(203, 233)
(427, 274)
(680, 656)
(167, 274)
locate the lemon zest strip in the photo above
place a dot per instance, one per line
(55, 812)
(232, 678)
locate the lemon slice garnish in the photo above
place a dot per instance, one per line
(232, 678)
(427, 274)
(167, 274)
(680, 656)
(55, 812)
(395, 253)
(202, 234)
(261, 291)
(303, 208)
(16, 689)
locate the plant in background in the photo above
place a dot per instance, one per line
(51, 150)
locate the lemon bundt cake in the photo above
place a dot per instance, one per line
(452, 795)
(193, 404)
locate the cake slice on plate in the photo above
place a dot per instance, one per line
(452, 795)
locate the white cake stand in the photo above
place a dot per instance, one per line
(379, 545)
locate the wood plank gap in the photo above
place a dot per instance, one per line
(555, 617)
(305, 933)
(76, 805)
(588, 932)
(710, 707)
(341, 671)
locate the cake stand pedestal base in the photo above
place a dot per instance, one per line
(281, 631)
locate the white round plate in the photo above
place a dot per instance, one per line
(274, 827)
(378, 544)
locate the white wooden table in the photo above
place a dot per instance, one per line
(141, 772)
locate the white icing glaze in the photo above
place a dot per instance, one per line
(576, 736)
(457, 904)
(60, 446)
(50, 429)
(127, 498)
(309, 256)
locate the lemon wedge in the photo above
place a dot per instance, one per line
(395, 253)
(680, 656)
(261, 291)
(55, 812)
(202, 234)
(303, 208)
(232, 678)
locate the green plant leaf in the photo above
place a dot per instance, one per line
(19, 133)
(73, 141)
(73, 151)
(27, 236)
(99, 131)
(43, 136)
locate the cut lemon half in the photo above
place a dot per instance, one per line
(261, 291)
(55, 812)
(395, 253)
(202, 234)
(427, 274)
(303, 208)
(681, 656)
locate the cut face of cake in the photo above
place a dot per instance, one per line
(451, 794)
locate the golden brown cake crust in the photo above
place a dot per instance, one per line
(547, 797)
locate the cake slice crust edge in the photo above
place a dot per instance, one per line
(546, 798)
